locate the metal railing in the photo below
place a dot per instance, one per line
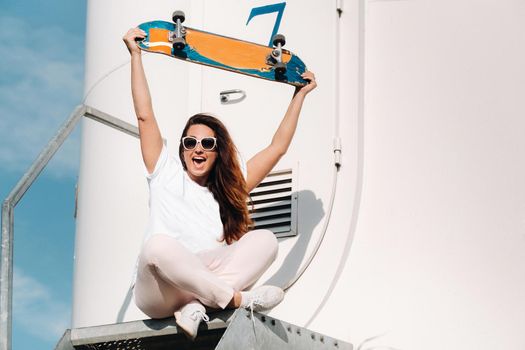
(16, 194)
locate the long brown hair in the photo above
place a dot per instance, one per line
(225, 181)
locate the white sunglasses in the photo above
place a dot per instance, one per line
(207, 143)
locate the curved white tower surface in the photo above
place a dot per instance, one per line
(424, 246)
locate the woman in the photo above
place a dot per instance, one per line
(198, 248)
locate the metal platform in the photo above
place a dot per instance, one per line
(226, 330)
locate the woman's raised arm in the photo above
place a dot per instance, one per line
(263, 162)
(150, 136)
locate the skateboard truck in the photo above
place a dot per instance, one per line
(275, 57)
(177, 37)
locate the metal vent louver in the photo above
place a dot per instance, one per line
(273, 204)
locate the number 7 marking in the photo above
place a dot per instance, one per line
(263, 10)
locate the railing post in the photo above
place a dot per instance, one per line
(6, 276)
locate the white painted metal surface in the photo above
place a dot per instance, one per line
(425, 244)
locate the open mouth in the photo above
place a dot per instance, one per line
(198, 160)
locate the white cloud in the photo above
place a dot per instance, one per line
(37, 310)
(42, 81)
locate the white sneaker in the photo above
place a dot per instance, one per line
(189, 318)
(262, 298)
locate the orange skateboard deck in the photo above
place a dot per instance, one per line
(223, 52)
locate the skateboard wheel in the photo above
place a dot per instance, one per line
(280, 68)
(178, 15)
(179, 43)
(278, 39)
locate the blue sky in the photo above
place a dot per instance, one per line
(42, 76)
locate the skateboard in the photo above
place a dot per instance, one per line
(209, 49)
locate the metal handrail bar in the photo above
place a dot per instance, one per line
(111, 121)
(16, 194)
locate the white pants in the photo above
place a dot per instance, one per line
(169, 276)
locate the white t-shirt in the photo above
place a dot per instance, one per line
(181, 208)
